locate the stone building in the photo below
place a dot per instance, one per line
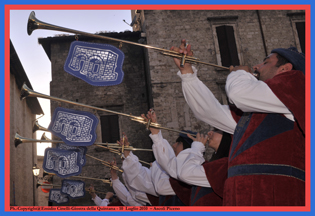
(130, 97)
(23, 157)
(220, 37)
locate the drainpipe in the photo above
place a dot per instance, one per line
(262, 33)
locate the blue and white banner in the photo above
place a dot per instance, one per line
(56, 196)
(96, 64)
(73, 188)
(82, 150)
(63, 163)
(75, 128)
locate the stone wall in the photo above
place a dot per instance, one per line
(22, 157)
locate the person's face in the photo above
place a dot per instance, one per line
(215, 137)
(177, 147)
(268, 68)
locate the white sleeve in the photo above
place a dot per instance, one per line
(123, 194)
(164, 154)
(252, 95)
(189, 165)
(139, 196)
(204, 105)
(138, 176)
(161, 180)
(100, 202)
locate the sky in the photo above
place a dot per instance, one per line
(36, 63)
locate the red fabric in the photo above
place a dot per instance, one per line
(292, 94)
(182, 190)
(154, 200)
(209, 199)
(216, 172)
(236, 113)
(116, 203)
(286, 148)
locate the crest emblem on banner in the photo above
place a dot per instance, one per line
(56, 196)
(63, 163)
(96, 64)
(73, 188)
(75, 128)
(82, 150)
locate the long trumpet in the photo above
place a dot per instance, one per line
(37, 126)
(54, 185)
(18, 139)
(106, 181)
(27, 92)
(33, 24)
(111, 148)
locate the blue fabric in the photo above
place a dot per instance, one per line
(170, 201)
(96, 64)
(73, 188)
(63, 163)
(75, 128)
(266, 169)
(268, 128)
(240, 130)
(199, 192)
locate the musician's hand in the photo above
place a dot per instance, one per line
(151, 115)
(113, 172)
(199, 138)
(109, 195)
(124, 141)
(186, 51)
(92, 191)
(241, 67)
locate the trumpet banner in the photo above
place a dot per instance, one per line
(75, 128)
(73, 188)
(96, 64)
(82, 150)
(63, 163)
(56, 196)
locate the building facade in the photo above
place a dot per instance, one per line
(221, 37)
(23, 113)
(130, 97)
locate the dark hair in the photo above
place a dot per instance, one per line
(282, 61)
(183, 138)
(185, 142)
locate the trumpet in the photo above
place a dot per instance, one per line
(111, 148)
(55, 185)
(33, 24)
(37, 126)
(27, 92)
(106, 181)
(18, 139)
(106, 163)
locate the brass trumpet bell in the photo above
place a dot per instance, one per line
(37, 127)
